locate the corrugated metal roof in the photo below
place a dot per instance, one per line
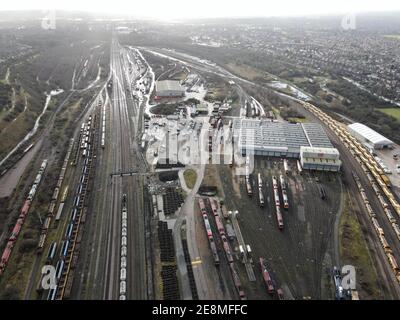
(263, 135)
(369, 134)
(316, 135)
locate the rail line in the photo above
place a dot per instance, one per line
(225, 244)
(377, 178)
(22, 217)
(70, 250)
(54, 198)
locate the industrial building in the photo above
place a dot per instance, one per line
(323, 159)
(369, 137)
(278, 139)
(191, 79)
(202, 108)
(169, 89)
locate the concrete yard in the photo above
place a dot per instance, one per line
(300, 255)
(387, 158)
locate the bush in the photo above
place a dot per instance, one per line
(193, 101)
(10, 293)
(29, 234)
(27, 245)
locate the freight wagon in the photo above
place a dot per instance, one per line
(266, 276)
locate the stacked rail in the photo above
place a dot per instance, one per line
(192, 282)
(170, 282)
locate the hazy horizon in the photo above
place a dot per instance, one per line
(178, 9)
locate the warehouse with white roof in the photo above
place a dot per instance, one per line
(369, 136)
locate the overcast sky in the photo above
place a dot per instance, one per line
(168, 9)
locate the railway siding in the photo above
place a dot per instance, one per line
(377, 178)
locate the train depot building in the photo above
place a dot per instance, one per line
(305, 141)
(369, 137)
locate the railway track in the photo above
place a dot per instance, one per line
(78, 217)
(378, 180)
(125, 159)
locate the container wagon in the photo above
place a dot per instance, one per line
(52, 252)
(52, 294)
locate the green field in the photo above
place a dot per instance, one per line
(394, 112)
(244, 71)
(393, 36)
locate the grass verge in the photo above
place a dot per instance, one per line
(190, 178)
(354, 251)
(394, 112)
